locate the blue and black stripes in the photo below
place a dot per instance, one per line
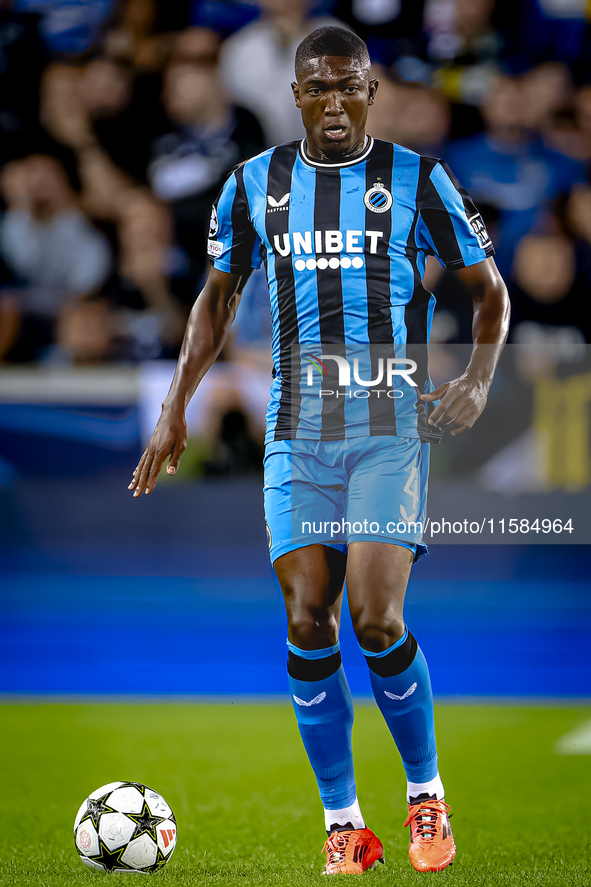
(276, 226)
(378, 277)
(345, 247)
(445, 212)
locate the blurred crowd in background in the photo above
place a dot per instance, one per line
(120, 119)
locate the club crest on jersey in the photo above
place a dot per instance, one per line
(276, 206)
(377, 198)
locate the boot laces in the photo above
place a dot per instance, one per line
(425, 816)
(336, 848)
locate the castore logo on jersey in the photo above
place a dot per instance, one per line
(278, 205)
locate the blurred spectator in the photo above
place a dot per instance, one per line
(234, 451)
(461, 33)
(200, 46)
(257, 65)
(105, 89)
(554, 29)
(189, 163)
(547, 91)
(133, 39)
(571, 134)
(124, 112)
(21, 62)
(391, 29)
(108, 116)
(54, 253)
(547, 297)
(410, 115)
(223, 16)
(579, 213)
(510, 168)
(67, 119)
(66, 27)
(136, 315)
(578, 225)
(583, 105)
(150, 318)
(466, 49)
(85, 333)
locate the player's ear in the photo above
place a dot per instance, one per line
(373, 88)
(296, 93)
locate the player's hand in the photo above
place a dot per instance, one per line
(461, 402)
(168, 441)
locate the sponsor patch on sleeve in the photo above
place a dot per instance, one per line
(479, 228)
(214, 248)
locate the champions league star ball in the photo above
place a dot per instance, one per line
(125, 827)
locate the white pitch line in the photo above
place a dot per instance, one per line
(577, 742)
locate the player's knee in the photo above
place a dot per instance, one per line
(313, 630)
(376, 635)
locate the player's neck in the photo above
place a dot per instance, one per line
(319, 156)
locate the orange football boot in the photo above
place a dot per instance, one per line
(432, 845)
(352, 851)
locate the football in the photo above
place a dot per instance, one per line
(125, 827)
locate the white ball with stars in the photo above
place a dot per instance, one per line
(125, 827)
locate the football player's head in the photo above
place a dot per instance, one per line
(334, 89)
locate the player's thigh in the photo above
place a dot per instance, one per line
(377, 577)
(312, 579)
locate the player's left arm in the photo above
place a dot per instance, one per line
(462, 400)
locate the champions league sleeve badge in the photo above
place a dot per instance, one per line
(214, 247)
(213, 223)
(377, 198)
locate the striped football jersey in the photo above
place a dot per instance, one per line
(345, 246)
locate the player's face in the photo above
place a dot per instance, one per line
(333, 94)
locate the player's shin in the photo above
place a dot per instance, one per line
(324, 712)
(402, 689)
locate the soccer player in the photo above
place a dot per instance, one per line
(344, 224)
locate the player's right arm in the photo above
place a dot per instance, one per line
(207, 328)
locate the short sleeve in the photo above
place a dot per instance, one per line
(233, 244)
(449, 226)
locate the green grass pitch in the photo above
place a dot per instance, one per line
(246, 801)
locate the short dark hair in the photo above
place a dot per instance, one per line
(331, 40)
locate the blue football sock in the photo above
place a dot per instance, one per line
(402, 689)
(324, 712)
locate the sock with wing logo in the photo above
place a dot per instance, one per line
(402, 689)
(324, 712)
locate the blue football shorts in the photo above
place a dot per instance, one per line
(365, 489)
